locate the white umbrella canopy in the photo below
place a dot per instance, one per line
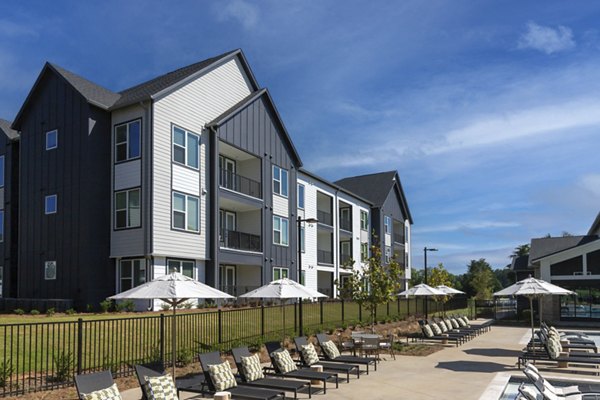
(174, 289)
(532, 287)
(422, 289)
(448, 290)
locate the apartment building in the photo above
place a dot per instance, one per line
(191, 171)
(9, 207)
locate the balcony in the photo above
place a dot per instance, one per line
(345, 258)
(399, 238)
(238, 183)
(324, 257)
(240, 241)
(324, 218)
(346, 224)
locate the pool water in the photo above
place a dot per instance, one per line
(512, 387)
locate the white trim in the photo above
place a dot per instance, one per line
(48, 133)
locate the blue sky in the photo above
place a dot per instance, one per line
(490, 111)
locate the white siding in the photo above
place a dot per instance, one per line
(190, 106)
(408, 249)
(128, 175)
(281, 206)
(186, 180)
(159, 268)
(309, 257)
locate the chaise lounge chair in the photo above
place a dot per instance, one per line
(442, 329)
(327, 366)
(237, 392)
(366, 361)
(294, 386)
(99, 384)
(427, 334)
(549, 391)
(196, 384)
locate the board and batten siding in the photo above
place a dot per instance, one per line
(189, 107)
(127, 175)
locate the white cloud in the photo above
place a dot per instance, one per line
(240, 11)
(473, 225)
(591, 183)
(12, 29)
(547, 39)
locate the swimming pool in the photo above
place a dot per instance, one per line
(511, 389)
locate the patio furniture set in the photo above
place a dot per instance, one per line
(542, 389)
(453, 329)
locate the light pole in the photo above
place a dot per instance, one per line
(299, 222)
(425, 250)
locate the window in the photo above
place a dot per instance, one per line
(280, 273)
(1, 226)
(182, 266)
(387, 222)
(301, 196)
(1, 171)
(364, 221)
(302, 278)
(185, 147)
(364, 252)
(388, 254)
(51, 139)
(50, 270)
(186, 212)
(133, 273)
(280, 181)
(50, 205)
(1, 279)
(127, 141)
(280, 231)
(127, 209)
(302, 236)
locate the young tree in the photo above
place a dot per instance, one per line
(440, 276)
(481, 279)
(374, 284)
(416, 276)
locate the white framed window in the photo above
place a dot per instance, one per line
(364, 221)
(1, 226)
(186, 147)
(364, 252)
(128, 209)
(50, 270)
(387, 224)
(185, 267)
(128, 141)
(186, 212)
(280, 273)
(302, 239)
(1, 171)
(280, 231)
(303, 277)
(280, 181)
(52, 139)
(132, 273)
(300, 196)
(51, 204)
(388, 254)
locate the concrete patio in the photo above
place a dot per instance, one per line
(462, 372)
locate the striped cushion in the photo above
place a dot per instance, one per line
(448, 324)
(454, 323)
(330, 349)
(442, 327)
(160, 388)
(222, 376)
(461, 321)
(310, 354)
(111, 393)
(466, 320)
(252, 368)
(436, 329)
(427, 331)
(284, 361)
(553, 348)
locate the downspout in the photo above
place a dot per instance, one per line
(213, 193)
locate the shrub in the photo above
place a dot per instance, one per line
(165, 306)
(6, 371)
(185, 357)
(188, 305)
(105, 305)
(34, 312)
(50, 312)
(64, 366)
(127, 305)
(19, 311)
(89, 308)
(70, 311)
(154, 354)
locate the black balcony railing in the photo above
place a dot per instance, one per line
(398, 238)
(346, 224)
(324, 218)
(236, 290)
(240, 240)
(324, 257)
(232, 181)
(344, 258)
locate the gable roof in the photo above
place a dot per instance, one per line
(149, 89)
(544, 247)
(7, 130)
(521, 263)
(245, 102)
(376, 187)
(595, 225)
(333, 185)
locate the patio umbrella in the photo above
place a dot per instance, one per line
(174, 289)
(422, 289)
(448, 291)
(283, 289)
(530, 288)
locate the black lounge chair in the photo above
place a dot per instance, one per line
(578, 346)
(196, 384)
(462, 329)
(300, 373)
(366, 361)
(294, 386)
(238, 392)
(88, 383)
(462, 336)
(444, 339)
(327, 366)
(484, 326)
(563, 360)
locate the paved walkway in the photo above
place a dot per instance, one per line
(462, 372)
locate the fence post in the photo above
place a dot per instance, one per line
(343, 312)
(360, 312)
(79, 344)
(162, 339)
(388, 308)
(398, 305)
(220, 318)
(321, 311)
(262, 320)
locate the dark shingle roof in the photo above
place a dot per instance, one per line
(595, 225)
(7, 130)
(543, 247)
(375, 187)
(93, 93)
(333, 185)
(521, 263)
(146, 90)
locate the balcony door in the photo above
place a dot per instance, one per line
(227, 170)
(227, 278)
(227, 225)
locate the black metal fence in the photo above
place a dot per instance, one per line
(46, 355)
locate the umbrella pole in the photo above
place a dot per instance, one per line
(531, 317)
(173, 339)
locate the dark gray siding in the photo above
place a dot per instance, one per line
(392, 208)
(255, 130)
(78, 172)
(8, 248)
